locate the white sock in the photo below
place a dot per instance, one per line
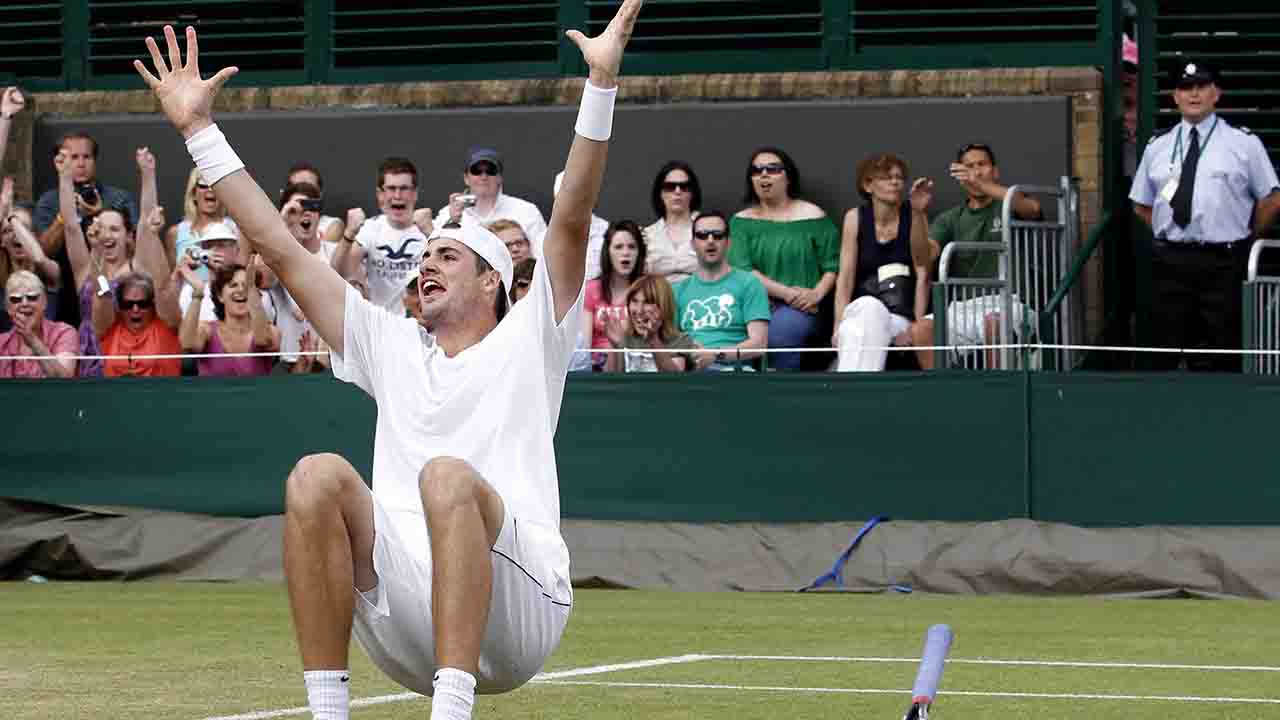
(328, 693)
(455, 693)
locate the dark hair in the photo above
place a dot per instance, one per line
(222, 278)
(132, 280)
(305, 189)
(76, 135)
(875, 165)
(500, 304)
(606, 262)
(712, 214)
(305, 166)
(695, 188)
(124, 216)
(523, 271)
(793, 175)
(393, 165)
(991, 154)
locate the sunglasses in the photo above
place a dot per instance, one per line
(29, 297)
(769, 169)
(135, 304)
(685, 186)
(717, 234)
(484, 169)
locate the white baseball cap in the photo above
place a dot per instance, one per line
(482, 242)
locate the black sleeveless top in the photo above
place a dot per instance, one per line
(872, 254)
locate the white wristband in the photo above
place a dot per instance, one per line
(595, 115)
(212, 154)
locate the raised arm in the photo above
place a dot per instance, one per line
(78, 251)
(149, 251)
(565, 246)
(187, 101)
(11, 103)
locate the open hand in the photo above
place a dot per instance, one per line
(615, 328)
(185, 99)
(24, 327)
(603, 53)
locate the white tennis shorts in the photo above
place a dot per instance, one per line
(393, 622)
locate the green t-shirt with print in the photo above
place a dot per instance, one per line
(965, 224)
(716, 314)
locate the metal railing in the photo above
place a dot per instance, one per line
(1033, 272)
(1261, 313)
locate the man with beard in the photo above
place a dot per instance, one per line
(388, 246)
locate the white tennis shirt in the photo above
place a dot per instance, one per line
(495, 405)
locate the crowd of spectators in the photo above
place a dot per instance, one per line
(94, 270)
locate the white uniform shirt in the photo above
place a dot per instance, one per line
(495, 405)
(507, 207)
(390, 257)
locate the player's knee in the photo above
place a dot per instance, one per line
(315, 480)
(446, 482)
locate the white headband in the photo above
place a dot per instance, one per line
(483, 243)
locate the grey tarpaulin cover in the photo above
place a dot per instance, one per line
(1012, 556)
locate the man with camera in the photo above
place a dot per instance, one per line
(387, 247)
(218, 248)
(485, 202)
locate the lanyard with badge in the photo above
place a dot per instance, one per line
(1175, 162)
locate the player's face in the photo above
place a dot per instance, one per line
(397, 198)
(623, 248)
(710, 241)
(1197, 101)
(449, 288)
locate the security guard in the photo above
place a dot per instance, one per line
(1206, 189)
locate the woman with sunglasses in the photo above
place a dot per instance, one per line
(792, 247)
(884, 266)
(105, 253)
(676, 198)
(650, 325)
(200, 209)
(134, 328)
(20, 250)
(51, 345)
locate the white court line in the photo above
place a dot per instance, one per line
(541, 677)
(977, 661)
(904, 692)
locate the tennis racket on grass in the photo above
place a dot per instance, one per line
(937, 643)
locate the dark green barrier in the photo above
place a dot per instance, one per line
(1102, 449)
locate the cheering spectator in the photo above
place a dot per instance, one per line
(218, 248)
(485, 201)
(11, 103)
(19, 250)
(884, 265)
(676, 199)
(330, 228)
(387, 248)
(721, 307)
(791, 246)
(621, 264)
(241, 326)
(512, 235)
(51, 345)
(132, 327)
(300, 208)
(650, 326)
(521, 278)
(201, 211)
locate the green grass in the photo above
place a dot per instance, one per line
(193, 651)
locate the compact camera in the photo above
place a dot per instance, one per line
(468, 200)
(199, 255)
(310, 204)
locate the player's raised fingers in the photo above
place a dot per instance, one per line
(175, 52)
(147, 77)
(225, 74)
(156, 60)
(193, 51)
(577, 37)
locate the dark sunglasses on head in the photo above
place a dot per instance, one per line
(135, 304)
(203, 186)
(484, 169)
(29, 297)
(670, 186)
(704, 234)
(770, 169)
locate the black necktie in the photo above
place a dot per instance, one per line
(1186, 184)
